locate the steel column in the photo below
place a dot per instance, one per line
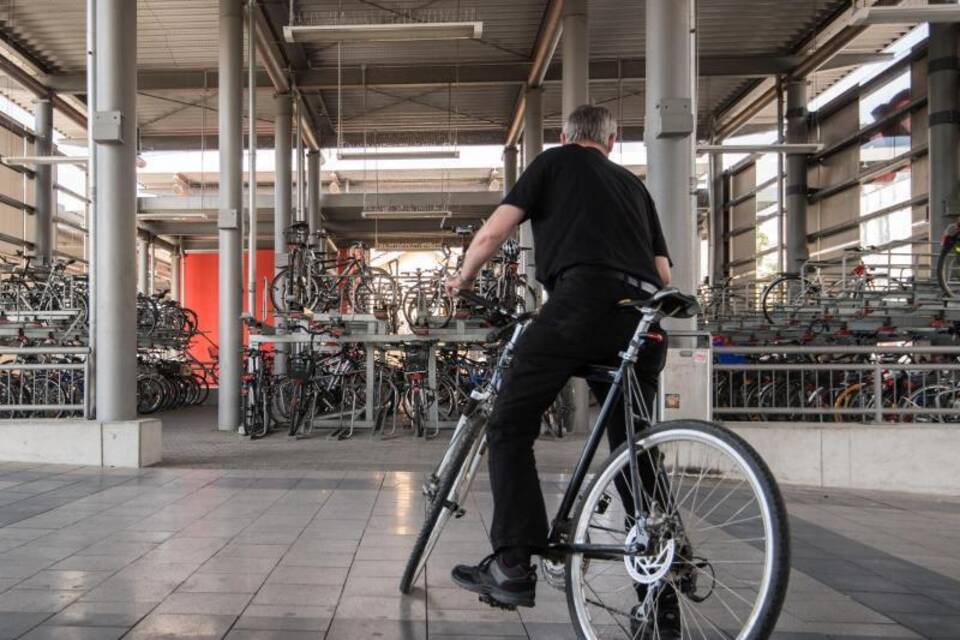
(670, 81)
(231, 199)
(532, 146)
(509, 169)
(717, 213)
(282, 195)
(313, 191)
(252, 158)
(795, 243)
(44, 199)
(576, 92)
(576, 58)
(116, 206)
(143, 266)
(943, 91)
(175, 274)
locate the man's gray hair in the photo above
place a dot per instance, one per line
(588, 122)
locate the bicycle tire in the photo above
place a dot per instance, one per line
(770, 609)
(445, 485)
(766, 304)
(947, 262)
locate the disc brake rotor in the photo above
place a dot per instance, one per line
(651, 566)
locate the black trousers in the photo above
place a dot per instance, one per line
(580, 324)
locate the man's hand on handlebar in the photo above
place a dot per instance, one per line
(456, 283)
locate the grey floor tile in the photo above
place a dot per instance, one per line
(282, 623)
(222, 583)
(13, 624)
(47, 632)
(334, 576)
(297, 595)
(169, 625)
(205, 603)
(65, 580)
(127, 590)
(381, 630)
(272, 634)
(102, 614)
(35, 601)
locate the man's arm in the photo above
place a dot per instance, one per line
(492, 234)
(663, 269)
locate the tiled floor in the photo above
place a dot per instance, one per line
(90, 554)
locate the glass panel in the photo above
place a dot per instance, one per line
(767, 265)
(886, 191)
(893, 139)
(768, 235)
(766, 168)
(885, 229)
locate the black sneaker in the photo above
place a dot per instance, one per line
(498, 584)
(663, 625)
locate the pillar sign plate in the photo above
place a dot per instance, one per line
(108, 127)
(228, 219)
(674, 118)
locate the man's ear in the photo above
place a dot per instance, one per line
(611, 142)
(563, 138)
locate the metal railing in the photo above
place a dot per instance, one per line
(837, 384)
(44, 382)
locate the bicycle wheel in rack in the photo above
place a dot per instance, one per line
(786, 297)
(445, 490)
(948, 266)
(712, 531)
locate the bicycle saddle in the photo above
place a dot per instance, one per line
(669, 303)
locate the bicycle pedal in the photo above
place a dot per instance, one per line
(496, 604)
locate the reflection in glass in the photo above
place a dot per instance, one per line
(893, 138)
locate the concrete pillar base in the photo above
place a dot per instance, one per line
(121, 443)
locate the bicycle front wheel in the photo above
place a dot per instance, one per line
(445, 491)
(708, 534)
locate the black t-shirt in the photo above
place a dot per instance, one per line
(588, 210)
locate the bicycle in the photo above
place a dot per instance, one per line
(948, 263)
(694, 473)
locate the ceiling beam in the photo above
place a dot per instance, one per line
(825, 49)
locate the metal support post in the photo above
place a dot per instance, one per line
(670, 134)
(509, 169)
(282, 194)
(252, 158)
(231, 198)
(576, 59)
(576, 92)
(115, 218)
(943, 91)
(45, 202)
(143, 266)
(175, 274)
(532, 146)
(796, 194)
(151, 267)
(717, 214)
(314, 218)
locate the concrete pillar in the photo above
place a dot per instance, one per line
(576, 56)
(45, 202)
(669, 87)
(313, 191)
(532, 146)
(231, 197)
(795, 224)
(509, 169)
(115, 213)
(282, 194)
(717, 214)
(252, 236)
(943, 94)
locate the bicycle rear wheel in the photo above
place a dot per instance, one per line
(445, 491)
(711, 537)
(948, 268)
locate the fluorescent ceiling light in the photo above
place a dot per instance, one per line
(905, 15)
(398, 155)
(794, 149)
(172, 216)
(399, 214)
(386, 32)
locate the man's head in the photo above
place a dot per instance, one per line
(590, 126)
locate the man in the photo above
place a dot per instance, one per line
(598, 241)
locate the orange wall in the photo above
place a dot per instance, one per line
(200, 278)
